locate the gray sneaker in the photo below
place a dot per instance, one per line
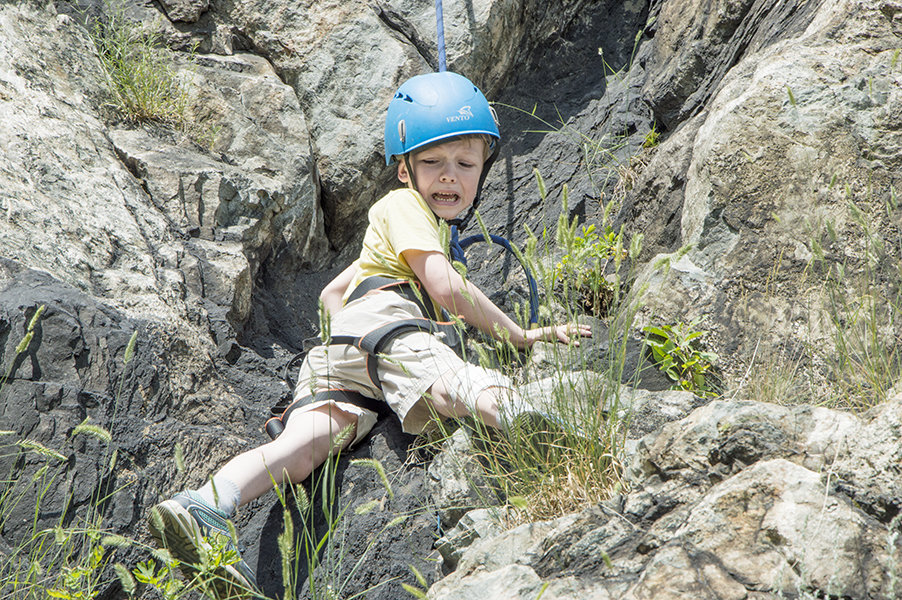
(185, 525)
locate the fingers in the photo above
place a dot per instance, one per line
(571, 332)
(568, 333)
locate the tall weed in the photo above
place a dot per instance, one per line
(863, 292)
(140, 77)
(75, 557)
(572, 459)
(313, 544)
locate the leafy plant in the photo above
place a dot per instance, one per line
(652, 138)
(139, 71)
(320, 554)
(585, 261)
(79, 580)
(160, 578)
(675, 352)
(547, 468)
(71, 560)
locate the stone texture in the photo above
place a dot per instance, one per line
(773, 526)
(188, 11)
(456, 480)
(791, 133)
(213, 244)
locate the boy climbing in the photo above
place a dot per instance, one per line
(384, 348)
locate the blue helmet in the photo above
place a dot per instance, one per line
(432, 107)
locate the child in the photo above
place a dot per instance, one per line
(441, 130)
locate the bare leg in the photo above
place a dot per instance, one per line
(486, 403)
(306, 443)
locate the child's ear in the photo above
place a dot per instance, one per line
(403, 176)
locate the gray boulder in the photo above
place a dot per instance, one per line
(737, 500)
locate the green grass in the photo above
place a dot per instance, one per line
(576, 462)
(139, 74)
(851, 356)
(848, 354)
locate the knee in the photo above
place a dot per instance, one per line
(341, 423)
(475, 386)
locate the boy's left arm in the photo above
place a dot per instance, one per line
(461, 297)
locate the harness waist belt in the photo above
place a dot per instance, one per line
(410, 290)
(372, 343)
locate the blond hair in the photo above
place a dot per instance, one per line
(488, 143)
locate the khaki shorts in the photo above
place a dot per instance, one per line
(410, 364)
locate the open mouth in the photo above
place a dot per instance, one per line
(445, 198)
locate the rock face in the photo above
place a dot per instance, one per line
(806, 100)
(779, 137)
(737, 500)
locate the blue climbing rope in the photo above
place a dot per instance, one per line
(440, 30)
(457, 253)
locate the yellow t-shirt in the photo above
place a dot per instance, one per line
(401, 220)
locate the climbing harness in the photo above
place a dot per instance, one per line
(373, 343)
(275, 425)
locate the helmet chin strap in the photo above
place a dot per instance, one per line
(410, 174)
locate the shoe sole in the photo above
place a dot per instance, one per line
(180, 534)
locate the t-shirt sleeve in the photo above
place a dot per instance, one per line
(410, 225)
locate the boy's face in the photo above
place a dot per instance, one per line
(447, 175)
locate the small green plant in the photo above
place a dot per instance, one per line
(72, 559)
(544, 468)
(159, 577)
(584, 264)
(675, 352)
(79, 580)
(24, 343)
(652, 138)
(139, 72)
(322, 556)
(587, 274)
(416, 591)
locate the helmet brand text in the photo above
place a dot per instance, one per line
(464, 114)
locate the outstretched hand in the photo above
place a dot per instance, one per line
(568, 333)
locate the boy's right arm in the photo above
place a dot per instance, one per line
(335, 290)
(461, 297)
